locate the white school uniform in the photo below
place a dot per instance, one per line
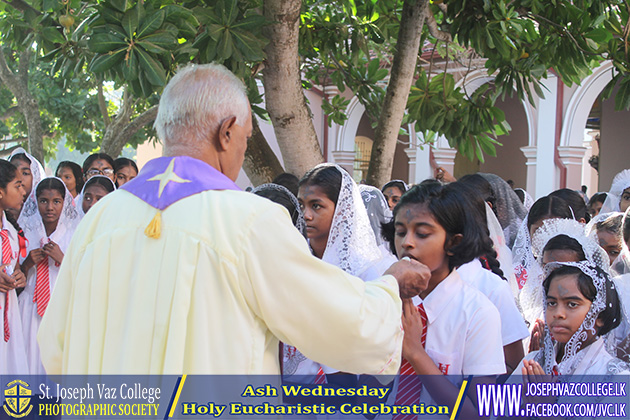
(12, 352)
(497, 290)
(463, 329)
(30, 319)
(463, 333)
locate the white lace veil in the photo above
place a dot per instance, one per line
(572, 356)
(37, 170)
(620, 183)
(510, 210)
(31, 221)
(299, 222)
(532, 295)
(79, 199)
(351, 243)
(377, 209)
(529, 201)
(618, 340)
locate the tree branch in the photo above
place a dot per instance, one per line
(21, 6)
(9, 113)
(101, 103)
(435, 31)
(7, 76)
(25, 58)
(562, 29)
(140, 121)
(7, 152)
(19, 140)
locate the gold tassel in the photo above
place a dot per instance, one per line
(154, 229)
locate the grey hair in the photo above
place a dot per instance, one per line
(195, 102)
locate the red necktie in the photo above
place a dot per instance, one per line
(7, 253)
(42, 287)
(409, 385)
(320, 378)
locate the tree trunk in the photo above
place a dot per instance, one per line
(17, 83)
(285, 101)
(403, 69)
(261, 163)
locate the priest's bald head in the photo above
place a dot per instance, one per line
(204, 113)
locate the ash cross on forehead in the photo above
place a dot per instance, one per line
(167, 176)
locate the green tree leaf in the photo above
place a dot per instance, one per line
(151, 68)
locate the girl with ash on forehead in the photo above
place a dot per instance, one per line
(339, 232)
(581, 306)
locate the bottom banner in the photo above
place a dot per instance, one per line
(341, 396)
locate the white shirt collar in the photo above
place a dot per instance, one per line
(441, 296)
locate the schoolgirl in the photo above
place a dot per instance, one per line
(72, 175)
(582, 306)
(436, 226)
(30, 170)
(618, 198)
(393, 190)
(124, 171)
(49, 219)
(12, 348)
(527, 270)
(339, 232)
(485, 274)
(95, 188)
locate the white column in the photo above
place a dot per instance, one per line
(530, 153)
(546, 177)
(571, 157)
(334, 129)
(419, 157)
(445, 158)
(345, 159)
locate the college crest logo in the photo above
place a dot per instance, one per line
(17, 399)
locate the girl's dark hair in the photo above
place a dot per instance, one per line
(394, 183)
(548, 207)
(76, 171)
(102, 181)
(565, 243)
(451, 207)
(599, 197)
(94, 157)
(281, 197)
(611, 316)
(483, 187)
(289, 181)
(477, 192)
(611, 224)
(575, 201)
(51, 184)
(22, 157)
(328, 178)
(123, 162)
(8, 172)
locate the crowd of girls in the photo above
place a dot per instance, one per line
(517, 287)
(39, 217)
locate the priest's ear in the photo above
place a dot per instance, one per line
(226, 133)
